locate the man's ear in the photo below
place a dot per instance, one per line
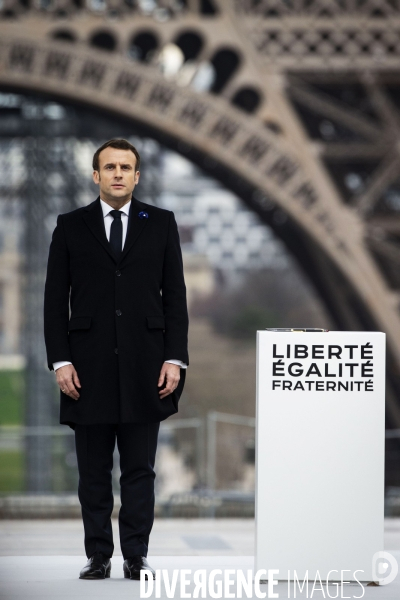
(96, 177)
(137, 177)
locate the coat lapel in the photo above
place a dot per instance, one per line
(93, 217)
(135, 226)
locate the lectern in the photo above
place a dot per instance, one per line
(320, 453)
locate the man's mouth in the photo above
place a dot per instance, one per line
(118, 185)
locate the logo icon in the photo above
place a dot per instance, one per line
(384, 568)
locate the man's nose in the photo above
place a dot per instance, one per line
(118, 172)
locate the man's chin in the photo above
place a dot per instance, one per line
(119, 193)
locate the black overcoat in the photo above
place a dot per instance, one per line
(117, 321)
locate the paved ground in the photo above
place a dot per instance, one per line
(53, 555)
(170, 537)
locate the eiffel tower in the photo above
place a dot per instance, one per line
(292, 104)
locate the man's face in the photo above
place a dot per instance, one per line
(117, 175)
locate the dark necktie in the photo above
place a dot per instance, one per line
(116, 232)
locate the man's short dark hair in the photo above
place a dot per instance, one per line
(121, 145)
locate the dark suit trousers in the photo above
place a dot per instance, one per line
(137, 443)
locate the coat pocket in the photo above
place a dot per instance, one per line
(157, 322)
(79, 323)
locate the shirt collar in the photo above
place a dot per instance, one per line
(106, 208)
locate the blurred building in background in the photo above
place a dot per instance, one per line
(271, 129)
(10, 282)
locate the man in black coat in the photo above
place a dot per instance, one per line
(116, 323)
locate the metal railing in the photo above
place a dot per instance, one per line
(205, 440)
(213, 418)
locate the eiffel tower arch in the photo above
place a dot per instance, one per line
(292, 104)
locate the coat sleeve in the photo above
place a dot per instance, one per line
(56, 299)
(174, 298)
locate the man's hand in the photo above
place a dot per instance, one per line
(67, 379)
(170, 374)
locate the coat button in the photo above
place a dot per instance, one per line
(116, 350)
(118, 273)
(118, 312)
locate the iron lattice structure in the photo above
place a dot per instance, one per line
(293, 104)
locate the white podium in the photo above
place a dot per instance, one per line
(320, 453)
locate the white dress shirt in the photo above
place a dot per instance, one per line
(108, 219)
